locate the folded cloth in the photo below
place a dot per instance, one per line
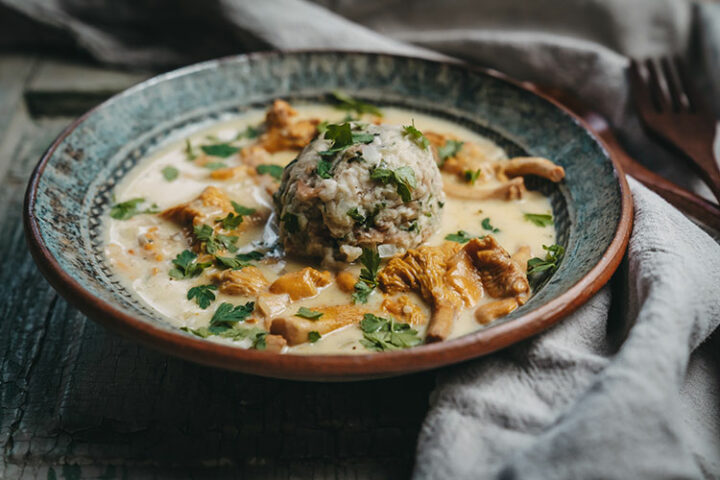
(625, 386)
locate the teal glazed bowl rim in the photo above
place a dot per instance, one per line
(106, 310)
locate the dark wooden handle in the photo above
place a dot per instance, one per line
(690, 203)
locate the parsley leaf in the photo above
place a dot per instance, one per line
(450, 149)
(129, 208)
(362, 292)
(487, 226)
(246, 257)
(366, 220)
(227, 313)
(314, 336)
(214, 242)
(539, 219)
(231, 262)
(472, 175)
(343, 137)
(461, 236)
(368, 275)
(290, 222)
(274, 171)
(550, 263)
(222, 150)
(170, 173)
(186, 266)
(233, 220)
(346, 102)
(189, 152)
(309, 314)
(416, 135)
(202, 294)
(324, 168)
(403, 178)
(250, 132)
(381, 334)
(235, 333)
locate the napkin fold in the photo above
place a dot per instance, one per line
(628, 386)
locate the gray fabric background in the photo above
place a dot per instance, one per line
(629, 385)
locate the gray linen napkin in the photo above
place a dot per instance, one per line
(624, 387)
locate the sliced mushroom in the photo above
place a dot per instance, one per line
(542, 167)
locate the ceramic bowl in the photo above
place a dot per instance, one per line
(70, 191)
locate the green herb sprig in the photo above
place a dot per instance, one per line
(304, 312)
(203, 295)
(549, 263)
(130, 208)
(382, 334)
(416, 135)
(368, 275)
(186, 266)
(403, 178)
(539, 219)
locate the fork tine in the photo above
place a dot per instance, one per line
(660, 95)
(695, 104)
(678, 97)
(640, 91)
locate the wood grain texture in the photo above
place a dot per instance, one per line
(79, 402)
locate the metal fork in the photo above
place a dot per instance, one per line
(672, 111)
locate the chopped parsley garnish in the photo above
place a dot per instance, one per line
(355, 214)
(403, 178)
(189, 152)
(450, 149)
(202, 294)
(309, 314)
(487, 226)
(128, 209)
(367, 220)
(550, 263)
(214, 242)
(215, 165)
(186, 266)
(324, 168)
(539, 219)
(472, 175)
(274, 171)
(170, 173)
(290, 222)
(233, 220)
(346, 102)
(234, 263)
(461, 236)
(343, 137)
(222, 150)
(416, 135)
(382, 334)
(250, 132)
(314, 336)
(236, 333)
(368, 275)
(247, 257)
(227, 313)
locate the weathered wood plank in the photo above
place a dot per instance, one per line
(68, 89)
(76, 401)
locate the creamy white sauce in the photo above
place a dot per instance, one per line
(145, 272)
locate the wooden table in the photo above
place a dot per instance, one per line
(77, 401)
